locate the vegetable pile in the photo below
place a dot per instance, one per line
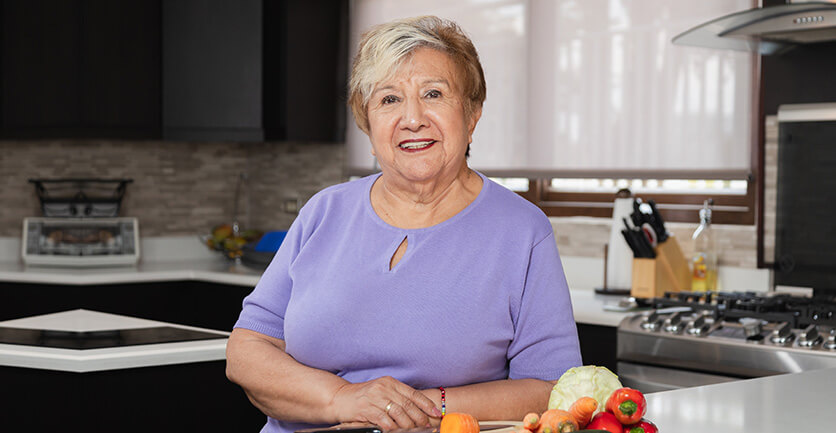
(591, 397)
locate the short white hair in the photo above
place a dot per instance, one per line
(383, 48)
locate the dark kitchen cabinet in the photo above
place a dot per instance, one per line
(80, 69)
(195, 70)
(305, 69)
(253, 70)
(193, 397)
(598, 345)
(212, 70)
(193, 303)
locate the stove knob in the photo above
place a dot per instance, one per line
(751, 327)
(651, 321)
(830, 343)
(809, 337)
(674, 322)
(782, 334)
(698, 326)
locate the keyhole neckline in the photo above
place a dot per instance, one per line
(370, 209)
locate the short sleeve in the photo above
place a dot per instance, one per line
(264, 308)
(545, 341)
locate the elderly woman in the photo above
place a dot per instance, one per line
(423, 288)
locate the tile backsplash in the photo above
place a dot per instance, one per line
(185, 188)
(179, 188)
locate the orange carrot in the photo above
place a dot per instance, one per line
(557, 421)
(582, 409)
(458, 422)
(531, 421)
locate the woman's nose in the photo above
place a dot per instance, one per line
(414, 116)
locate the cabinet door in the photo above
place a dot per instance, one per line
(305, 69)
(212, 70)
(80, 69)
(41, 67)
(121, 54)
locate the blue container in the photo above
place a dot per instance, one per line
(271, 241)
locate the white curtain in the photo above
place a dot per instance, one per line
(593, 87)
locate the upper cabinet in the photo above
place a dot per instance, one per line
(196, 70)
(305, 69)
(212, 69)
(80, 69)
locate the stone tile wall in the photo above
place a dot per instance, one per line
(585, 237)
(179, 188)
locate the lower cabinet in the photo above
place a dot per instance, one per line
(172, 398)
(192, 303)
(598, 345)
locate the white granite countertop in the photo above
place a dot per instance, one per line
(798, 402)
(588, 308)
(87, 360)
(212, 269)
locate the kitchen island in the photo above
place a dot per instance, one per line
(797, 402)
(84, 370)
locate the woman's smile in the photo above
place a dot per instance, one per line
(416, 145)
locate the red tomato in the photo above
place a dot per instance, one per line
(643, 426)
(605, 421)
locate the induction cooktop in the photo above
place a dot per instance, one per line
(101, 339)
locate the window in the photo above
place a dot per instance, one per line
(678, 199)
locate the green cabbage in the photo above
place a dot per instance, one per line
(586, 381)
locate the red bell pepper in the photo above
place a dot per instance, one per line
(643, 426)
(627, 404)
(605, 421)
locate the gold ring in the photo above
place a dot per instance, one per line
(389, 406)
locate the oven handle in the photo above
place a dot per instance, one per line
(649, 379)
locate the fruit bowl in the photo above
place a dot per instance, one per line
(225, 240)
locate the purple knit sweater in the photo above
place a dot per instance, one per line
(478, 297)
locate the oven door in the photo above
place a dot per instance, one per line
(648, 378)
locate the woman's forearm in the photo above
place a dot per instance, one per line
(277, 384)
(507, 399)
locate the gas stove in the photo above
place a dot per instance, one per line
(717, 337)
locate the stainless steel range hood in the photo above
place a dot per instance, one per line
(768, 30)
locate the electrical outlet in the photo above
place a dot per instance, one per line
(291, 205)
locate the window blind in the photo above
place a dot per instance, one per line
(581, 88)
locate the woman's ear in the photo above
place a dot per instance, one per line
(475, 115)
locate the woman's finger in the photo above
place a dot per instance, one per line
(425, 404)
(399, 415)
(382, 419)
(416, 415)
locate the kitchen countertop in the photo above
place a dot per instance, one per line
(213, 269)
(588, 308)
(798, 402)
(111, 358)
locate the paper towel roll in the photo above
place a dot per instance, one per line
(619, 255)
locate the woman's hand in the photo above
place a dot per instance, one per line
(385, 402)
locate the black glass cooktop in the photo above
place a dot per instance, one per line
(101, 339)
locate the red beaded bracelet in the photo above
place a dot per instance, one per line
(443, 401)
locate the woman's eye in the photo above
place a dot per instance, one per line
(433, 94)
(388, 99)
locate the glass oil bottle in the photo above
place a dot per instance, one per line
(704, 260)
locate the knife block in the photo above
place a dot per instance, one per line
(668, 272)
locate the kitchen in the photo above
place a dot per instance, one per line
(182, 187)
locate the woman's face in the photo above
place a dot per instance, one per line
(417, 122)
